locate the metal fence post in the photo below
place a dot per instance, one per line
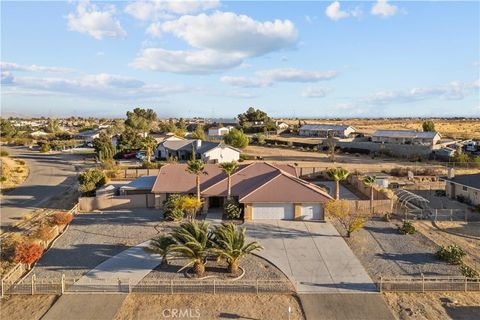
(129, 287)
(171, 286)
(381, 283)
(423, 282)
(1, 284)
(257, 286)
(214, 287)
(33, 284)
(63, 283)
(466, 284)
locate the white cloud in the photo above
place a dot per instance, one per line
(315, 92)
(155, 29)
(10, 66)
(223, 40)
(383, 8)
(163, 9)
(99, 24)
(264, 78)
(452, 91)
(334, 11)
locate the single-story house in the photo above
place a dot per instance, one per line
(466, 186)
(265, 191)
(142, 185)
(38, 134)
(219, 131)
(406, 137)
(88, 136)
(282, 125)
(210, 152)
(323, 130)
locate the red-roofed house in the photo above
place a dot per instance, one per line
(266, 191)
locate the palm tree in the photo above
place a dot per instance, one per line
(230, 244)
(370, 181)
(196, 167)
(149, 143)
(337, 174)
(192, 242)
(161, 246)
(229, 168)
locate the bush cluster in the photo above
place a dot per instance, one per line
(233, 209)
(452, 254)
(407, 228)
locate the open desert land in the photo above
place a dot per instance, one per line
(13, 172)
(448, 128)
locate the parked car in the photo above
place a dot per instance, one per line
(128, 155)
(141, 155)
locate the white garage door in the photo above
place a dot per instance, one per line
(311, 211)
(274, 211)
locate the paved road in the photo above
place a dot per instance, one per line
(50, 176)
(345, 306)
(312, 254)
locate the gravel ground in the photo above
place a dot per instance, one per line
(254, 266)
(385, 252)
(95, 237)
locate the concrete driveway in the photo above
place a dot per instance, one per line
(312, 254)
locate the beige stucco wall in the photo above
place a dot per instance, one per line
(470, 193)
(247, 215)
(117, 202)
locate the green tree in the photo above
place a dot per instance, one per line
(7, 130)
(181, 125)
(193, 243)
(90, 180)
(331, 143)
(337, 174)
(252, 115)
(52, 126)
(231, 244)
(129, 140)
(428, 126)
(370, 182)
(199, 133)
(140, 120)
(196, 167)
(236, 138)
(229, 168)
(45, 148)
(149, 144)
(104, 147)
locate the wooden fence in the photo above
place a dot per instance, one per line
(128, 174)
(425, 284)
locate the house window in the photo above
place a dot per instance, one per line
(464, 188)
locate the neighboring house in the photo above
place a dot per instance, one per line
(224, 121)
(38, 134)
(282, 125)
(406, 137)
(323, 130)
(264, 190)
(213, 152)
(219, 132)
(466, 186)
(88, 136)
(161, 138)
(142, 185)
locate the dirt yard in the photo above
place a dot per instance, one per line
(434, 305)
(240, 306)
(23, 307)
(14, 172)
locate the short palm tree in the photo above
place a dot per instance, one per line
(161, 246)
(196, 167)
(230, 244)
(192, 242)
(370, 181)
(229, 168)
(149, 143)
(337, 174)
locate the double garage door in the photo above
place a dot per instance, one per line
(285, 211)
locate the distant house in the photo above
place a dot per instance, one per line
(223, 121)
(211, 152)
(282, 125)
(38, 134)
(323, 130)
(219, 132)
(88, 136)
(406, 137)
(444, 153)
(466, 186)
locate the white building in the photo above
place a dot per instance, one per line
(219, 132)
(324, 130)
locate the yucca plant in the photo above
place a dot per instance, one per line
(161, 246)
(230, 243)
(192, 242)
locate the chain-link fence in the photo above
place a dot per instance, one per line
(424, 284)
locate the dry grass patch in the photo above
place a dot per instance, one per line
(434, 305)
(22, 307)
(14, 172)
(207, 306)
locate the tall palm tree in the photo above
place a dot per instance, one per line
(196, 167)
(370, 181)
(161, 246)
(230, 244)
(149, 143)
(192, 242)
(337, 174)
(229, 168)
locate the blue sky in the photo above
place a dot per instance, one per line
(311, 59)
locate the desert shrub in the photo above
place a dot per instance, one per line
(62, 218)
(468, 271)
(151, 165)
(44, 232)
(90, 180)
(173, 208)
(244, 156)
(174, 215)
(236, 138)
(407, 228)
(4, 153)
(27, 253)
(45, 148)
(20, 162)
(8, 245)
(340, 209)
(18, 170)
(452, 254)
(3, 179)
(233, 209)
